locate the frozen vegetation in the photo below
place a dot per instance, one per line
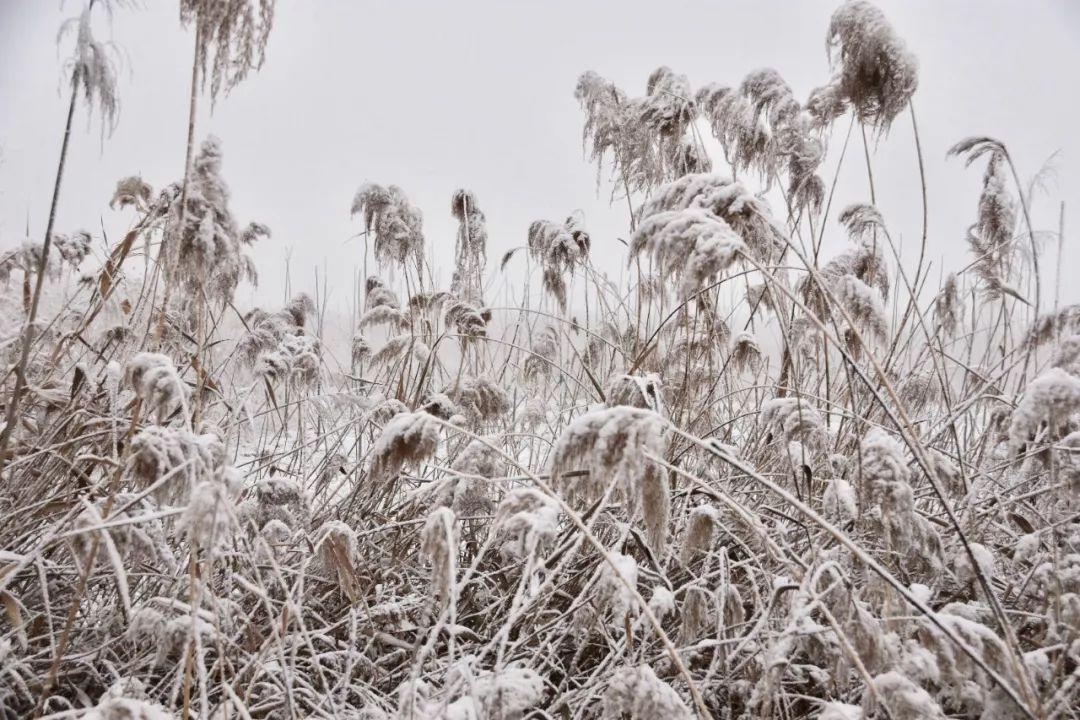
(756, 480)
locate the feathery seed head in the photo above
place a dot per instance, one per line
(639, 694)
(877, 73)
(440, 544)
(406, 438)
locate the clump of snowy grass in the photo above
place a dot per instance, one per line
(750, 476)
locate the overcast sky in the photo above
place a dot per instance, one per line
(433, 96)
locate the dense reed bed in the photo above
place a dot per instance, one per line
(754, 480)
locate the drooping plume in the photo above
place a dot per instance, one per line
(877, 74)
(648, 139)
(209, 253)
(232, 36)
(558, 249)
(93, 70)
(692, 244)
(470, 254)
(397, 224)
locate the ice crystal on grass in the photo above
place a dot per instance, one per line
(93, 69)
(471, 251)
(1050, 398)
(793, 420)
(396, 223)
(338, 553)
(528, 516)
(692, 244)
(467, 319)
(73, 248)
(839, 500)
(840, 711)
(747, 215)
(640, 694)
(648, 139)
(701, 529)
(277, 498)
(157, 384)
(609, 443)
(558, 249)
(210, 516)
(745, 352)
(125, 708)
(232, 38)
(173, 460)
(133, 191)
(400, 348)
(774, 465)
(877, 73)
(640, 391)
(618, 581)
(407, 438)
(208, 253)
(480, 399)
(439, 543)
(863, 305)
(903, 699)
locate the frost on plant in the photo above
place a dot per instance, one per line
(734, 447)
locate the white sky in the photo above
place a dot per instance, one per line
(433, 96)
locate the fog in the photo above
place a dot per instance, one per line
(437, 96)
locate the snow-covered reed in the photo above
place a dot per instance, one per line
(759, 478)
